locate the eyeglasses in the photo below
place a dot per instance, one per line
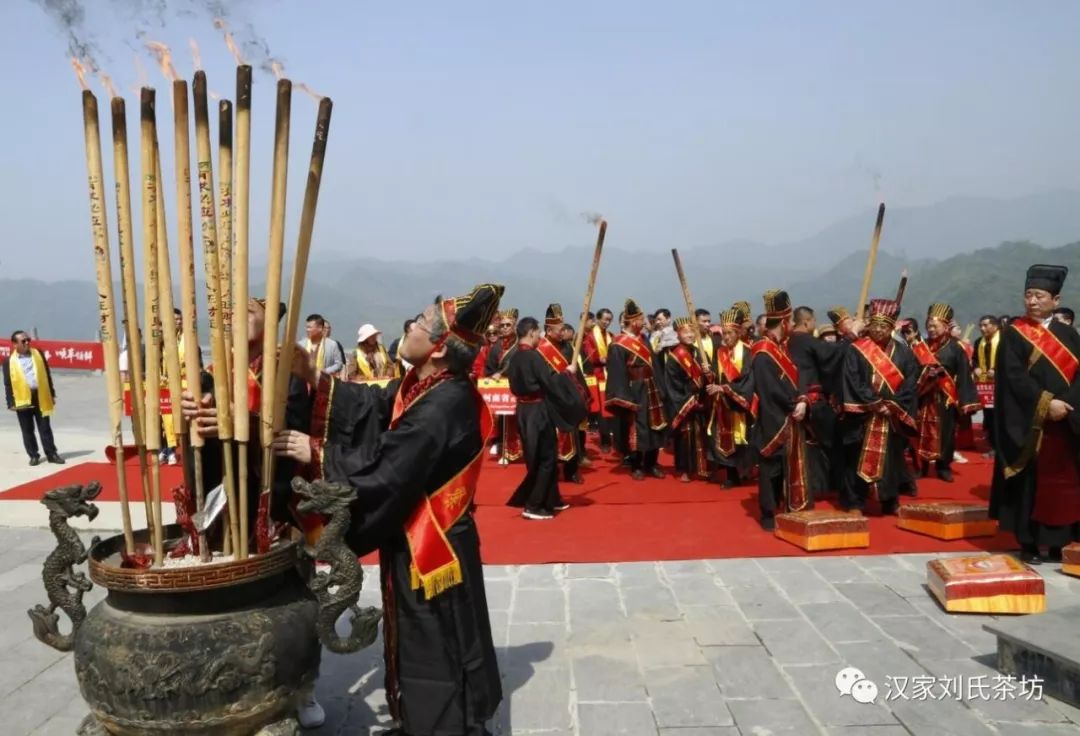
(23, 341)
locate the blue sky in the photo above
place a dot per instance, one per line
(480, 128)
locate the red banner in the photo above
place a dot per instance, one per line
(69, 354)
(497, 395)
(986, 393)
(166, 401)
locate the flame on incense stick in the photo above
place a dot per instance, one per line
(80, 72)
(222, 26)
(196, 57)
(107, 83)
(164, 59)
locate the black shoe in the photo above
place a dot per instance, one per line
(576, 478)
(1030, 555)
(945, 474)
(537, 515)
(35, 460)
(627, 462)
(656, 472)
(1054, 554)
(768, 523)
(889, 508)
(562, 506)
(637, 475)
(729, 483)
(56, 459)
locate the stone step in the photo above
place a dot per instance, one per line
(1044, 646)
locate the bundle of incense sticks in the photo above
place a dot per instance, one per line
(173, 361)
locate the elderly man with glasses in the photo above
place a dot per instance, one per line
(30, 394)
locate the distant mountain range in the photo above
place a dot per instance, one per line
(950, 248)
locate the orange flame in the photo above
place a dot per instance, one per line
(304, 88)
(80, 72)
(278, 69)
(220, 24)
(195, 55)
(107, 82)
(164, 59)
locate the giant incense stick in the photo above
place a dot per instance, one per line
(225, 225)
(126, 240)
(871, 258)
(165, 296)
(222, 380)
(273, 298)
(600, 235)
(241, 415)
(188, 312)
(900, 289)
(99, 229)
(303, 249)
(152, 314)
(689, 303)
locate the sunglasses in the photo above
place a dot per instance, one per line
(23, 341)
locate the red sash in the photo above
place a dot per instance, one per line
(1047, 343)
(726, 358)
(876, 437)
(787, 368)
(687, 363)
(550, 352)
(945, 382)
(880, 362)
(635, 345)
(434, 565)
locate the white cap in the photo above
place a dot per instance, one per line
(366, 331)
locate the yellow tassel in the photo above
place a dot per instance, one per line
(439, 581)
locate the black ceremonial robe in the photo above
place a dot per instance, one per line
(441, 673)
(685, 390)
(634, 397)
(1036, 487)
(779, 441)
(819, 365)
(942, 398)
(875, 444)
(731, 411)
(547, 399)
(498, 361)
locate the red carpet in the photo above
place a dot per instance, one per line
(612, 518)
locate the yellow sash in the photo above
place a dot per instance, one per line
(984, 361)
(738, 424)
(600, 337)
(20, 388)
(319, 355)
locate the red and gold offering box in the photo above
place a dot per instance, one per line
(817, 530)
(947, 519)
(1070, 559)
(986, 584)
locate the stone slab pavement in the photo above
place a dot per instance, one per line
(695, 648)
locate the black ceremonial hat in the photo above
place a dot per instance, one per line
(1047, 278)
(631, 310)
(467, 317)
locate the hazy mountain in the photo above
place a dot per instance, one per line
(821, 270)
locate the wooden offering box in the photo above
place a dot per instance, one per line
(817, 530)
(947, 519)
(986, 584)
(1070, 559)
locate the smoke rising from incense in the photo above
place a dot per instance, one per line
(593, 218)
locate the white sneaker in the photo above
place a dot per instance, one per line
(958, 458)
(494, 450)
(309, 712)
(173, 459)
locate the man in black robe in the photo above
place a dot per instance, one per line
(819, 365)
(508, 438)
(414, 486)
(985, 356)
(731, 394)
(945, 392)
(550, 405)
(880, 375)
(687, 400)
(634, 396)
(572, 449)
(777, 436)
(1036, 487)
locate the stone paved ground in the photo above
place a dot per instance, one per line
(698, 648)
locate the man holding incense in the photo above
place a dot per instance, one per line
(688, 404)
(594, 346)
(508, 439)
(550, 405)
(413, 451)
(730, 409)
(634, 395)
(1036, 487)
(29, 390)
(945, 392)
(880, 376)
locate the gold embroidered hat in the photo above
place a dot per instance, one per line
(742, 309)
(838, 315)
(685, 323)
(467, 317)
(941, 311)
(510, 314)
(733, 317)
(553, 316)
(777, 306)
(631, 310)
(883, 311)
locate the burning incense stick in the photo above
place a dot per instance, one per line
(303, 249)
(99, 228)
(241, 415)
(126, 241)
(188, 312)
(273, 298)
(689, 302)
(152, 314)
(225, 225)
(871, 258)
(600, 235)
(165, 297)
(222, 380)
